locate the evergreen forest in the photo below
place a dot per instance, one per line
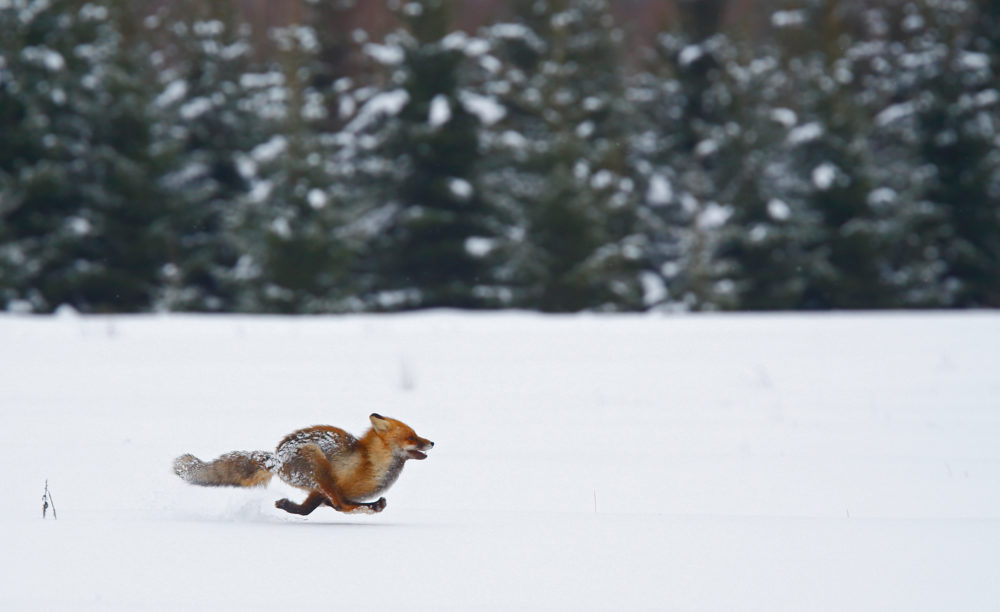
(182, 156)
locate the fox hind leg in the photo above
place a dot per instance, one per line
(311, 503)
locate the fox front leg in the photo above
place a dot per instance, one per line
(370, 507)
(350, 507)
(359, 507)
(327, 485)
(316, 499)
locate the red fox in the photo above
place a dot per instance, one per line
(336, 468)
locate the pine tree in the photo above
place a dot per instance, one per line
(829, 160)
(953, 67)
(78, 197)
(719, 233)
(820, 237)
(929, 73)
(297, 220)
(204, 127)
(559, 157)
(431, 238)
(684, 100)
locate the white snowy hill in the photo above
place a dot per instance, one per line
(726, 462)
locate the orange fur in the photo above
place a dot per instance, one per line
(336, 468)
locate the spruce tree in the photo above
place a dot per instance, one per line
(929, 72)
(434, 228)
(719, 233)
(684, 98)
(79, 204)
(820, 237)
(957, 112)
(206, 78)
(830, 160)
(299, 243)
(559, 157)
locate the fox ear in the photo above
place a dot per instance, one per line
(378, 422)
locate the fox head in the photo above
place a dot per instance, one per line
(400, 437)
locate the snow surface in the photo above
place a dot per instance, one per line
(824, 175)
(460, 188)
(479, 246)
(894, 113)
(660, 192)
(690, 54)
(49, 58)
(172, 93)
(785, 19)
(440, 112)
(380, 105)
(740, 462)
(778, 209)
(805, 133)
(485, 108)
(785, 116)
(389, 55)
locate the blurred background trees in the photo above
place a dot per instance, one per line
(80, 203)
(556, 155)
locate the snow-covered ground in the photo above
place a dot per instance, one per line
(739, 462)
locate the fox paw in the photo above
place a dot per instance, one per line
(289, 506)
(372, 508)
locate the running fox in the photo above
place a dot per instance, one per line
(336, 468)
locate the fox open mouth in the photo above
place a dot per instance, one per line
(415, 454)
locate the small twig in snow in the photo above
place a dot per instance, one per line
(48, 501)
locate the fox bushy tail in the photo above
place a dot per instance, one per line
(235, 469)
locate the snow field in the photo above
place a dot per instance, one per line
(738, 462)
